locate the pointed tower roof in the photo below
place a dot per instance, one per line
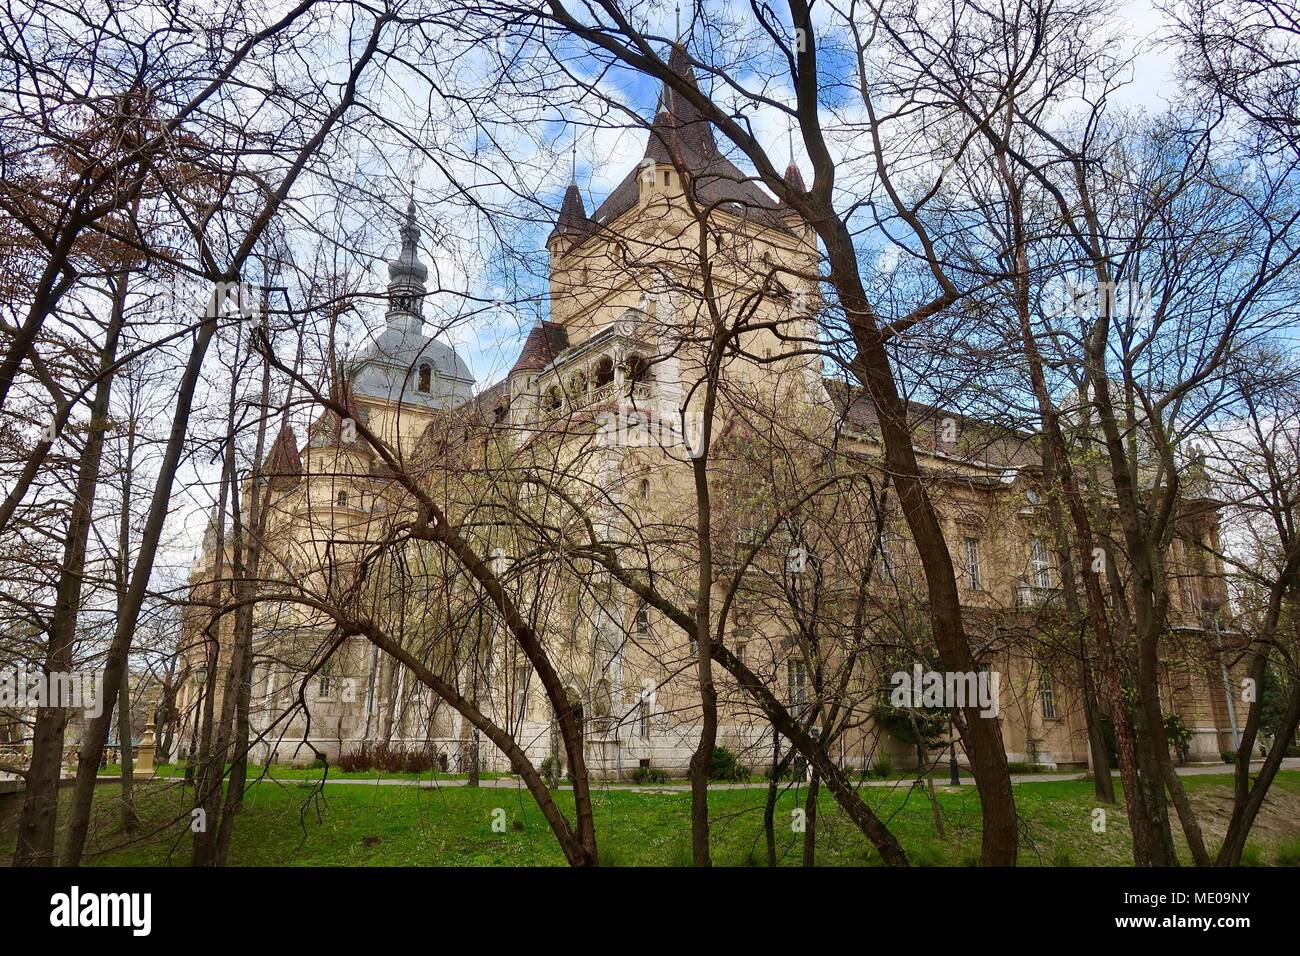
(681, 136)
(283, 463)
(678, 122)
(573, 219)
(794, 179)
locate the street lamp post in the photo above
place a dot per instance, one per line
(953, 777)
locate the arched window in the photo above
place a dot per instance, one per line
(554, 399)
(644, 489)
(426, 378)
(638, 369)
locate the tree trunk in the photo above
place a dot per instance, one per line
(810, 821)
(97, 730)
(769, 806)
(37, 822)
(130, 819)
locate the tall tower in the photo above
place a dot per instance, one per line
(403, 372)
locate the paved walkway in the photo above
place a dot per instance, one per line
(514, 783)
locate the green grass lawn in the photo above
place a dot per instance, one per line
(280, 771)
(298, 823)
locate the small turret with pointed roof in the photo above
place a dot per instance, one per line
(794, 179)
(283, 465)
(572, 222)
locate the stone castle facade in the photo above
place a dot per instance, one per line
(686, 274)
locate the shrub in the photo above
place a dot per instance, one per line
(1288, 852)
(1251, 856)
(390, 759)
(883, 765)
(1229, 756)
(1178, 735)
(649, 775)
(723, 766)
(551, 769)
(352, 761)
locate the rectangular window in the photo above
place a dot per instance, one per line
(748, 535)
(1039, 564)
(644, 718)
(1049, 697)
(972, 562)
(641, 622)
(521, 691)
(1188, 581)
(798, 675)
(325, 684)
(887, 543)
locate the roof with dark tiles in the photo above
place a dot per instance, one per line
(680, 136)
(573, 219)
(283, 461)
(545, 342)
(976, 439)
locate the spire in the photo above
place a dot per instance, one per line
(283, 464)
(410, 232)
(572, 221)
(794, 179)
(406, 276)
(678, 123)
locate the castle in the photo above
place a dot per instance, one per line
(685, 303)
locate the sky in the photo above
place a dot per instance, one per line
(604, 157)
(453, 245)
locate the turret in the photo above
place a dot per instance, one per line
(572, 224)
(406, 278)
